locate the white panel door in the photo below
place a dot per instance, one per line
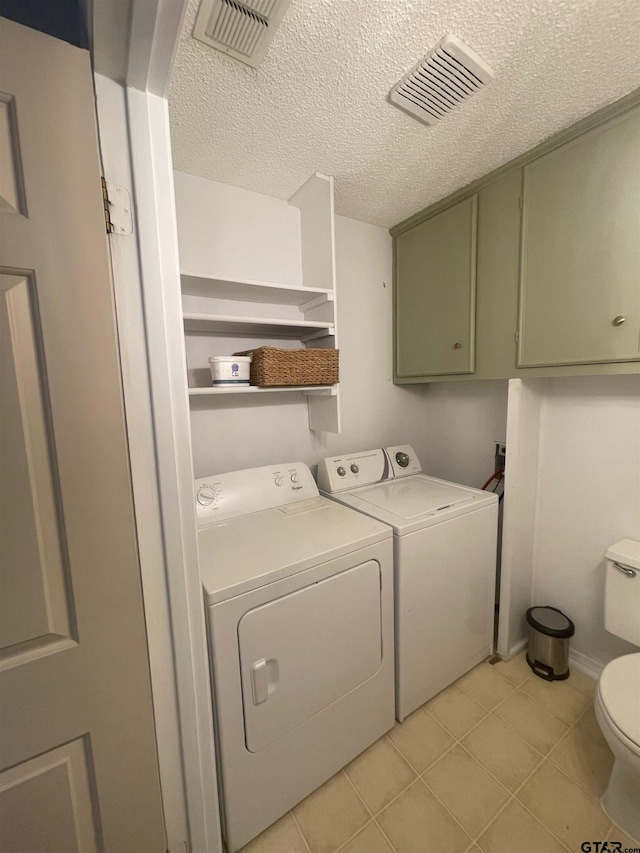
(301, 652)
(78, 761)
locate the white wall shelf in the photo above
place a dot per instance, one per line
(219, 308)
(262, 292)
(310, 390)
(269, 326)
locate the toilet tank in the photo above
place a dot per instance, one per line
(622, 591)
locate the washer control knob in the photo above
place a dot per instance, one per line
(402, 459)
(206, 496)
(278, 480)
(355, 468)
(341, 471)
(294, 477)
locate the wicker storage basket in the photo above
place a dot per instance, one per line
(273, 366)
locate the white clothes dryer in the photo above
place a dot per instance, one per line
(445, 541)
(298, 593)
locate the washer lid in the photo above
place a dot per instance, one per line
(620, 694)
(416, 502)
(415, 496)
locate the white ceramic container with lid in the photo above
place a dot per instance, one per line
(230, 369)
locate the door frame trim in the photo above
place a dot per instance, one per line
(147, 284)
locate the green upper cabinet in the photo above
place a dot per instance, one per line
(532, 270)
(435, 293)
(580, 250)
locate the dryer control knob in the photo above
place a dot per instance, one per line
(206, 496)
(402, 459)
(354, 468)
(341, 471)
(278, 480)
(294, 477)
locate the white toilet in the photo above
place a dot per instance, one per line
(617, 701)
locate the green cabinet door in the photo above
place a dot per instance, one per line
(498, 270)
(580, 250)
(435, 291)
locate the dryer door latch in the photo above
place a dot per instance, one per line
(264, 679)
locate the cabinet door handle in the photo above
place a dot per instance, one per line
(619, 320)
(457, 345)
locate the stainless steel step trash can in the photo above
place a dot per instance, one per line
(549, 633)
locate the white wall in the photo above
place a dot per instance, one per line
(230, 231)
(519, 512)
(588, 497)
(463, 420)
(227, 231)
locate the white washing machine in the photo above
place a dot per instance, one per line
(298, 593)
(445, 539)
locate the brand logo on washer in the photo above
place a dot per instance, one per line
(295, 488)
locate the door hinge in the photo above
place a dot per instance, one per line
(108, 224)
(116, 202)
(521, 202)
(517, 337)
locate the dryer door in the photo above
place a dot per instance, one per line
(302, 652)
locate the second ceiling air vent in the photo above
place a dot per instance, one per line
(448, 75)
(242, 29)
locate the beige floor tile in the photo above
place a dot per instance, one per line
(516, 831)
(456, 710)
(560, 697)
(588, 723)
(417, 823)
(516, 670)
(568, 811)
(379, 774)
(331, 815)
(368, 840)
(532, 721)
(586, 760)
(582, 681)
(625, 841)
(466, 789)
(281, 836)
(485, 685)
(502, 752)
(421, 739)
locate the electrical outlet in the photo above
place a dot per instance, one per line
(500, 454)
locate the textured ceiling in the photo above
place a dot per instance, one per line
(319, 100)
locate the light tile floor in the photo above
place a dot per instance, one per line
(500, 762)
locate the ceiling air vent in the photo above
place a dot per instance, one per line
(242, 29)
(448, 75)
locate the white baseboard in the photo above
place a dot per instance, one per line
(518, 647)
(585, 664)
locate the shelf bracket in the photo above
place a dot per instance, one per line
(320, 392)
(329, 332)
(317, 302)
